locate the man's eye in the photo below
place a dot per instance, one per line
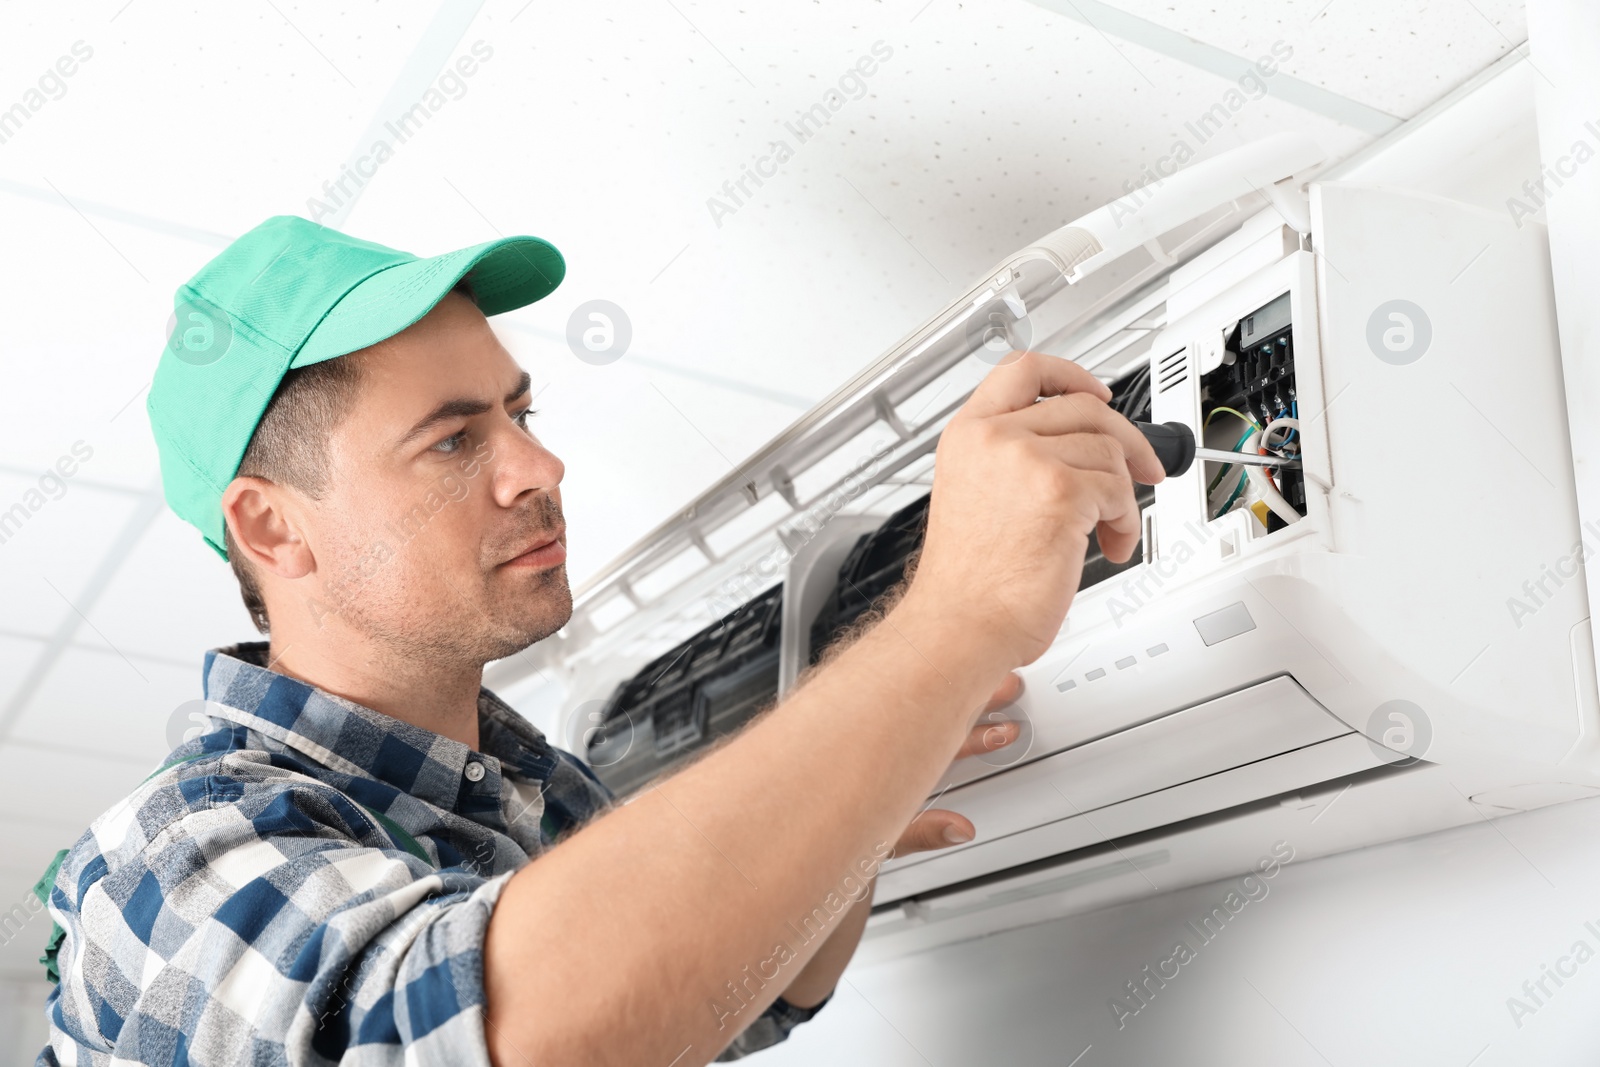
(452, 443)
(521, 418)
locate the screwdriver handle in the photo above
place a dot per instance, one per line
(1173, 442)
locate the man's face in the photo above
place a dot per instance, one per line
(440, 533)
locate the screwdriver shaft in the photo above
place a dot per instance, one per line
(1250, 459)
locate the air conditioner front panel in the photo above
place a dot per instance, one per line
(1134, 653)
(1251, 724)
(1300, 768)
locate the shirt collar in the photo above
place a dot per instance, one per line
(352, 739)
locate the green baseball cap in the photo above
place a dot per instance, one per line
(288, 294)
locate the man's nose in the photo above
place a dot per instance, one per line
(520, 464)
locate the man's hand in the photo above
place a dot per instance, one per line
(1019, 484)
(938, 828)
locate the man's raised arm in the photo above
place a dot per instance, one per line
(619, 945)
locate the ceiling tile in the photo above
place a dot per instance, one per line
(165, 87)
(55, 533)
(173, 596)
(113, 705)
(1395, 57)
(73, 787)
(77, 370)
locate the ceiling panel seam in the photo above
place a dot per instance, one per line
(155, 659)
(144, 514)
(430, 56)
(117, 214)
(1219, 61)
(738, 385)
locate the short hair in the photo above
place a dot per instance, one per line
(290, 446)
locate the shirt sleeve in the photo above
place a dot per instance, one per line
(769, 1028)
(212, 920)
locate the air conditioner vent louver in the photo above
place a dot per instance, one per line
(1172, 370)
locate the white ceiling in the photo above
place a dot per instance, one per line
(604, 127)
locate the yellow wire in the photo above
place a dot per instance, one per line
(1223, 473)
(1230, 411)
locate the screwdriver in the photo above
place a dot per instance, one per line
(1175, 448)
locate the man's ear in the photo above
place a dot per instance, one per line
(264, 521)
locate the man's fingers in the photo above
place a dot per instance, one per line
(939, 828)
(1100, 488)
(1079, 413)
(991, 733)
(1005, 692)
(1017, 383)
(1117, 544)
(1089, 452)
(932, 830)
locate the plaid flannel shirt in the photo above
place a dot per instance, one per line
(312, 885)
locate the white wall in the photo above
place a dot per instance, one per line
(1400, 954)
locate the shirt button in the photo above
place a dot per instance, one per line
(474, 772)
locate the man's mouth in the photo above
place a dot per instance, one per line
(543, 552)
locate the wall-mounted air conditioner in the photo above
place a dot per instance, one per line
(1418, 597)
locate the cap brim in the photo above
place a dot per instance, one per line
(505, 274)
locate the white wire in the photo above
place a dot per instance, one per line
(1285, 422)
(1263, 485)
(1224, 491)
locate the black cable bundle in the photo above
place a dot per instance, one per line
(1130, 396)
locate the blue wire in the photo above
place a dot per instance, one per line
(1290, 411)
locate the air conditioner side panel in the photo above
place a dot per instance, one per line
(1457, 545)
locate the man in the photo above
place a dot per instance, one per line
(339, 870)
